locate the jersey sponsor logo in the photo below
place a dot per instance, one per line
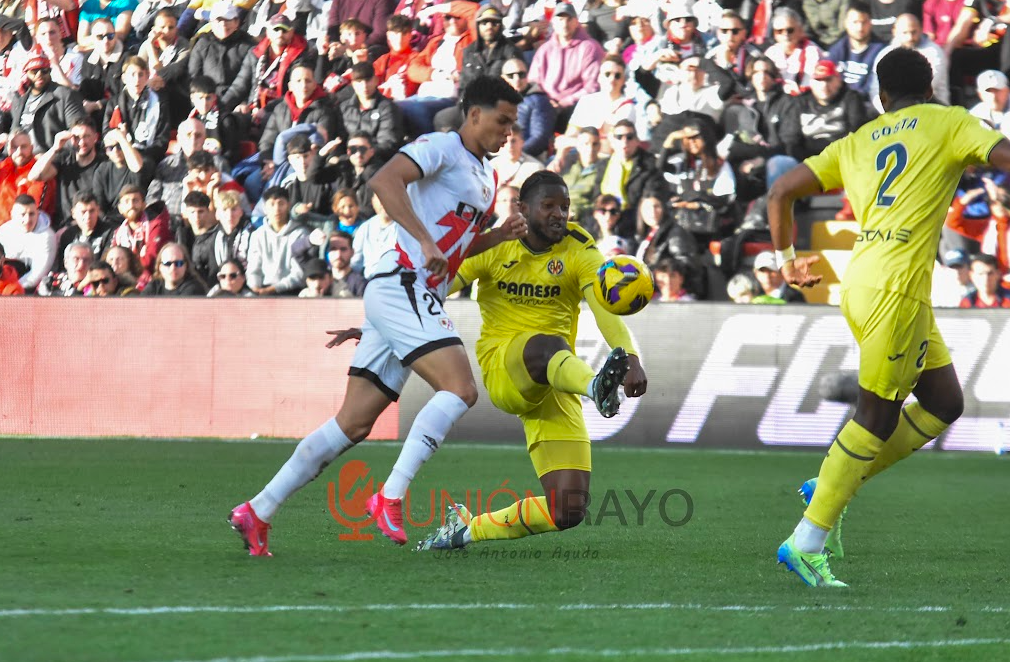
(530, 290)
(906, 124)
(555, 267)
(901, 235)
(485, 193)
(446, 323)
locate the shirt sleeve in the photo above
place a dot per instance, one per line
(975, 139)
(826, 166)
(430, 152)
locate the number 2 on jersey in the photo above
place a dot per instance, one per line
(900, 161)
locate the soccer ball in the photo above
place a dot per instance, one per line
(624, 285)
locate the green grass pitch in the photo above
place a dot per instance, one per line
(118, 551)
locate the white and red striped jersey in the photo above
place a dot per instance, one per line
(453, 199)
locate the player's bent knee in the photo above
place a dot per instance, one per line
(466, 392)
(949, 409)
(569, 519)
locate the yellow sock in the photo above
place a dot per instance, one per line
(522, 518)
(916, 428)
(569, 374)
(850, 456)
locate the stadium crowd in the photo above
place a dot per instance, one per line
(201, 147)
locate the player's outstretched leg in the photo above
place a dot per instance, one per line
(564, 507)
(549, 360)
(362, 405)
(448, 371)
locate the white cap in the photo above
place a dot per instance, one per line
(679, 9)
(223, 9)
(641, 9)
(990, 79)
(614, 245)
(765, 260)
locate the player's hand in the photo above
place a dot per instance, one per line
(342, 336)
(635, 382)
(513, 227)
(434, 260)
(797, 272)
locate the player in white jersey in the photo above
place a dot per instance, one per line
(439, 190)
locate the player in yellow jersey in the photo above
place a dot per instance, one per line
(529, 295)
(899, 172)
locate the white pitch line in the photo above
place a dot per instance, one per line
(507, 606)
(582, 653)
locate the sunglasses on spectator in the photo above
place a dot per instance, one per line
(106, 36)
(174, 263)
(39, 72)
(101, 281)
(514, 74)
(112, 148)
(358, 149)
(624, 136)
(784, 30)
(730, 30)
(230, 276)
(612, 211)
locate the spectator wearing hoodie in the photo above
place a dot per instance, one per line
(220, 53)
(273, 268)
(29, 238)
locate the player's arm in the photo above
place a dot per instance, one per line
(390, 184)
(1000, 155)
(616, 333)
(800, 182)
(511, 228)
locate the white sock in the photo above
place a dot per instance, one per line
(311, 456)
(433, 422)
(467, 538)
(809, 537)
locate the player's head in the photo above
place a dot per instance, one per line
(544, 200)
(904, 74)
(490, 106)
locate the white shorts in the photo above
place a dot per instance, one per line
(403, 322)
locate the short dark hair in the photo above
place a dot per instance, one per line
(487, 92)
(399, 23)
(355, 24)
(196, 199)
(627, 124)
(772, 67)
(275, 192)
(167, 13)
(590, 131)
(201, 160)
(129, 189)
(343, 234)
(362, 135)
(85, 121)
(861, 7)
(84, 198)
(904, 74)
(202, 85)
(670, 264)
(615, 60)
(102, 265)
(362, 71)
(136, 61)
(538, 180)
(299, 144)
(986, 259)
(25, 199)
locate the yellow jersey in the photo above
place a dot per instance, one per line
(522, 290)
(900, 172)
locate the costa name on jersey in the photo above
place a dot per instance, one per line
(453, 200)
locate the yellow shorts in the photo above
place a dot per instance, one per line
(556, 434)
(898, 339)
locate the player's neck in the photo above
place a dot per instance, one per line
(471, 143)
(903, 103)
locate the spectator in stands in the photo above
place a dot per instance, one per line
(364, 164)
(704, 184)
(659, 234)
(630, 172)
(272, 267)
(369, 112)
(140, 112)
(682, 38)
(487, 55)
(101, 72)
(644, 51)
(602, 23)
(127, 267)
(174, 169)
(9, 284)
(66, 63)
(994, 105)
(378, 234)
(671, 275)
(166, 52)
(309, 183)
(69, 281)
(512, 166)
(333, 68)
(506, 203)
(29, 238)
(536, 112)
(770, 279)
(742, 288)
(939, 17)
(14, 181)
(952, 279)
(567, 65)
(347, 283)
(372, 13)
(93, 11)
(102, 281)
(602, 110)
(694, 93)
(235, 234)
(71, 162)
(825, 20)
(199, 234)
(885, 15)
(582, 175)
(318, 280)
(856, 52)
(985, 276)
(143, 231)
(124, 165)
(976, 202)
(205, 176)
(231, 281)
(437, 69)
(793, 53)
(391, 67)
(220, 53)
(175, 275)
(347, 210)
(908, 34)
(263, 76)
(829, 110)
(733, 52)
(220, 128)
(88, 227)
(46, 109)
(304, 103)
